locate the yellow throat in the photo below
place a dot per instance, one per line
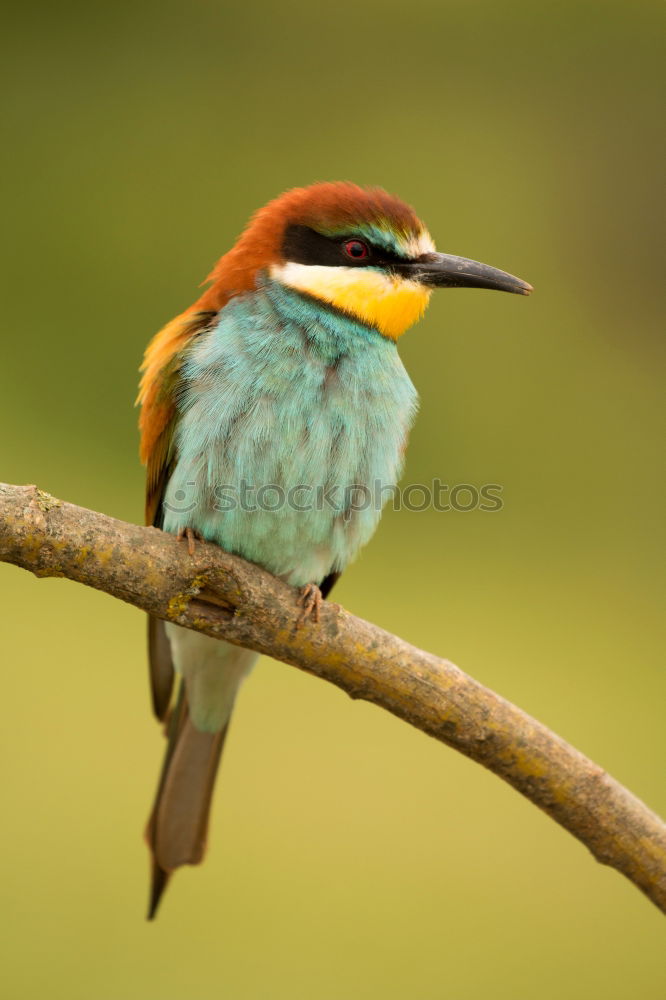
(388, 302)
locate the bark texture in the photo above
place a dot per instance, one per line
(222, 595)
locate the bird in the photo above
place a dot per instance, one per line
(285, 376)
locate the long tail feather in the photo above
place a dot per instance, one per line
(178, 825)
(158, 883)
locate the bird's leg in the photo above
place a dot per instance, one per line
(191, 537)
(310, 600)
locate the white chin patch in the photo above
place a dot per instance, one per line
(323, 281)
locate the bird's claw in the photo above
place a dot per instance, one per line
(310, 601)
(191, 535)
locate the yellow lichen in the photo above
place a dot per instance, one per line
(45, 501)
(179, 603)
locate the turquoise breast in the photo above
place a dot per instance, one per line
(292, 425)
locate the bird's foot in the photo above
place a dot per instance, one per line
(310, 601)
(191, 535)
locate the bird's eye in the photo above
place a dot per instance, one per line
(356, 249)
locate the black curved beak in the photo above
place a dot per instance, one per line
(444, 270)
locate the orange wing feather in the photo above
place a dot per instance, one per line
(157, 396)
(157, 392)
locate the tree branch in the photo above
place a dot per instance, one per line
(224, 596)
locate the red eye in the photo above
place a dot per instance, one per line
(356, 250)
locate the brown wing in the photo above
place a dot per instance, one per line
(327, 584)
(157, 396)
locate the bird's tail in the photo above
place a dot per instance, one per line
(212, 671)
(177, 829)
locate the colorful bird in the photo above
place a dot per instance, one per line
(281, 384)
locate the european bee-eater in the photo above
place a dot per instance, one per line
(284, 374)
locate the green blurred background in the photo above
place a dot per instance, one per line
(351, 856)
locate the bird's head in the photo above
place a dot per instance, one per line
(359, 250)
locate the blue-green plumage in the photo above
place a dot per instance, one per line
(282, 392)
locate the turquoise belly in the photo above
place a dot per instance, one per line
(292, 419)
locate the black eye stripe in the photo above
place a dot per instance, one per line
(303, 245)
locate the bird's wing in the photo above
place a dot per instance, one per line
(327, 584)
(158, 391)
(157, 396)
